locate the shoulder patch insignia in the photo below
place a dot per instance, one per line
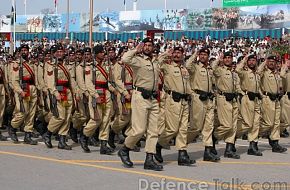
(15, 69)
(49, 73)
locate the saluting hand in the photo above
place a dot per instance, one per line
(139, 47)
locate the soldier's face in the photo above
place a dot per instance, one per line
(88, 56)
(271, 64)
(24, 51)
(177, 56)
(79, 57)
(228, 60)
(59, 54)
(100, 56)
(148, 48)
(252, 63)
(203, 57)
(112, 55)
(72, 57)
(47, 57)
(40, 57)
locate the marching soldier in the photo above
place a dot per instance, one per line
(250, 114)
(71, 66)
(3, 93)
(100, 103)
(271, 109)
(177, 87)
(24, 85)
(227, 105)
(123, 77)
(61, 99)
(202, 100)
(285, 100)
(145, 107)
(83, 58)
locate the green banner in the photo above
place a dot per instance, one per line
(241, 3)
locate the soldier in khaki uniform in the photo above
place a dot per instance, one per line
(24, 85)
(82, 115)
(250, 114)
(285, 101)
(123, 78)
(177, 87)
(202, 100)
(227, 105)
(145, 107)
(59, 86)
(100, 103)
(271, 109)
(3, 90)
(71, 66)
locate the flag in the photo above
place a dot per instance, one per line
(13, 12)
(124, 2)
(55, 3)
(24, 2)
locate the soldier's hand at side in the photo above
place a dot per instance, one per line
(22, 94)
(58, 97)
(87, 94)
(128, 96)
(98, 100)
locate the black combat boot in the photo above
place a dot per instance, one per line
(277, 147)
(253, 149)
(84, 143)
(111, 140)
(271, 143)
(73, 133)
(62, 143)
(28, 139)
(229, 152)
(47, 139)
(158, 155)
(209, 156)
(12, 134)
(2, 138)
(183, 158)
(124, 155)
(137, 147)
(105, 149)
(150, 164)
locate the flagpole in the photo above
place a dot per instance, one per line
(91, 23)
(25, 7)
(165, 5)
(125, 5)
(14, 26)
(67, 22)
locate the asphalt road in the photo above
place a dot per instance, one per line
(29, 167)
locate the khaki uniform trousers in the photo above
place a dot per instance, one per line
(201, 121)
(176, 118)
(80, 117)
(61, 124)
(121, 120)
(285, 113)
(105, 111)
(2, 103)
(161, 118)
(227, 116)
(26, 118)
(270, 123)
(249, 118)
(145, 115)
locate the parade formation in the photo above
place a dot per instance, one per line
(165, 93)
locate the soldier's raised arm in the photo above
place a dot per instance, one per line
(190, 62)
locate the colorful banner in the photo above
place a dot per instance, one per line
(5, 23)
(241, 3)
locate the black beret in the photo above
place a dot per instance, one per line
(178, 48)
(59, 47)
(9, 57)
(71, 49)
(24, 46)
(53, 48)
(240, 58)
(87, 49)
(204, 50)
(41, 52)
(112, 49)
(72, 52)
(47, 52)
(228, 53)
(148, 39)
(122, 49)
(98, 49)
(252, 57)
(273, 57)
(81, 51)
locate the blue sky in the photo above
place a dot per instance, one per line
(35, 6)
